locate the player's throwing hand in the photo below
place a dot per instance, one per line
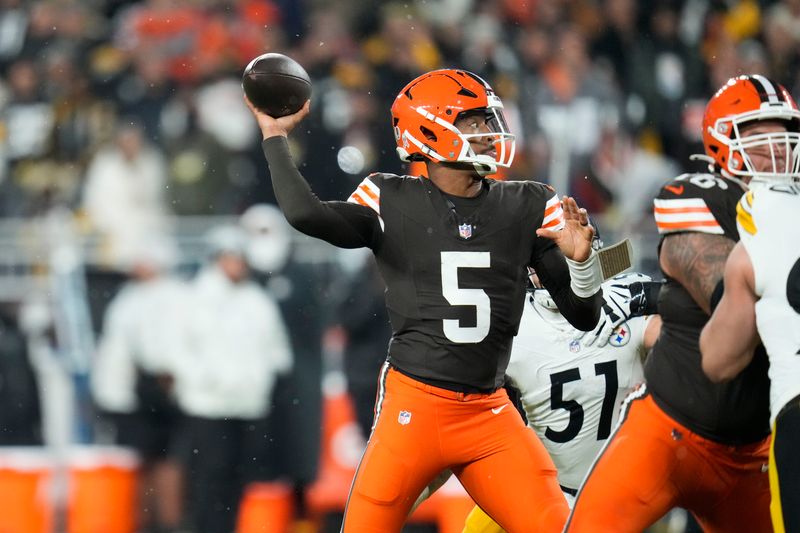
(271, 126)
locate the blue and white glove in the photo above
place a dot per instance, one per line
(623, 297)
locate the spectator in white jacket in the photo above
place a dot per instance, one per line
(132, 375)
(235, 346)
(124, 197)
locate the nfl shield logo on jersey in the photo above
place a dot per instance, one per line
(621, 336)
(465, 231)
(404, 418)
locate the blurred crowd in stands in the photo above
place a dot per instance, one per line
(605, 95)
(128, 117)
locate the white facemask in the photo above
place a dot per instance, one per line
(268, 253)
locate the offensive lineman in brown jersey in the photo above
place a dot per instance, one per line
(685, 441)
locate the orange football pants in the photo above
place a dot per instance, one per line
(652, 464)
(421, 430)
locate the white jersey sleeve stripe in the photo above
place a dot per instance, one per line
(368, 194)
(553, 215)
(680, 203)
(685, 214)
(371, 187)
(678, 217)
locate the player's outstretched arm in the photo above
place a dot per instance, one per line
(581, 311)
(570, 270)
(730, 336)
(651, 332)
(342, 224)
(623, 299)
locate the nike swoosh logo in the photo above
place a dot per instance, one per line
(675, 189)
(497, 410)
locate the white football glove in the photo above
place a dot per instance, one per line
(623, 297)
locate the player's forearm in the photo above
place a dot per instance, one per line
(724, 355)
(730, 337)
(341, 224)
(644, 297)
(298, 203)
(581, 312)
(651, 332)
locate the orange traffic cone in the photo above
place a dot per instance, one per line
(266, 508)
(340, 451)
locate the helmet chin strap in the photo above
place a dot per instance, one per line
(485, 169)
(486, 166)
(742, 183)
(714, 169)
(482, 168)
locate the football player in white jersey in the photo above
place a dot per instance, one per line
(572, 384)
(762, 299)
(572, 387)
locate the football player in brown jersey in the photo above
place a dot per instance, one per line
(685, 441)
(453, 250)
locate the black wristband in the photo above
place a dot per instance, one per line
(644, 297)
(716, 295)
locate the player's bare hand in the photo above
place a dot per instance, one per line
(270, 126)
(575, 240)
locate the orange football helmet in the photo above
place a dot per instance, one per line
(741, 101)
(424, 116)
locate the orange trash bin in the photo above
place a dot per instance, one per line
(26, 505)
(102, 490)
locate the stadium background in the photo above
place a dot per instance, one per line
(605, 96)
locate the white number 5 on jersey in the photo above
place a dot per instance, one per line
(455, 295)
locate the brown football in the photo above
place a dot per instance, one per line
(276, 84)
